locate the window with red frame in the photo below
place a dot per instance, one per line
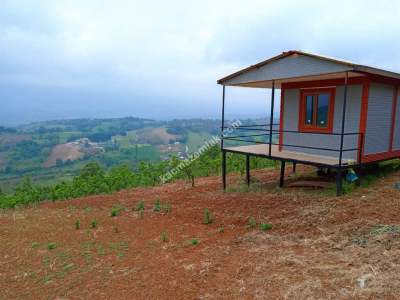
(316, 111)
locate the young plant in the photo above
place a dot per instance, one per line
(164, 237)
(115, 211)
(139, 206)
(265, 226)
(35, 244)
(157, 205)
(221, 229)
(77, 224)
(194, 242)
(166, 207)
(93, 224)
(252, 223)
(51, 246)
(208, 218)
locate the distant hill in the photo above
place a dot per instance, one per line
(43, 149)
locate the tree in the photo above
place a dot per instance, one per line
(92, 169)
(59, 162)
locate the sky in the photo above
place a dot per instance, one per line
(161, 59)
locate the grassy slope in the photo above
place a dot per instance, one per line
(196, 140)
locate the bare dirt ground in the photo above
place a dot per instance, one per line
(64, 152)
(320, 246)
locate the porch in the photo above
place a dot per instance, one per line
(262, 150)
(273, 148)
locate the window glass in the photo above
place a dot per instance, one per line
(309, 120)
(322, 110)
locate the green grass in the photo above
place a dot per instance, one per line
(382, 229)
(371, 173)
(195, 140)
(126, 141)
(119, 248)
(242, 187)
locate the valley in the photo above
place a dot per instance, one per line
(43, 150)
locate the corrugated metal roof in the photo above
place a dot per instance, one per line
(355, 67)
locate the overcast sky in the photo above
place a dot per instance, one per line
(161, 59)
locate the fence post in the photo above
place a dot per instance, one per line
(223, 163)
(360, 150)
(248, 170)
(343, 118)
(271, 117)
(224, 170)
(223, 117)
(282, 177)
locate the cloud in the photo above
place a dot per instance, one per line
(162, 58)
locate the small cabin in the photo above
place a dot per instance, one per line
(334, 114)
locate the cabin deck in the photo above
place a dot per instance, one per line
(263, 150)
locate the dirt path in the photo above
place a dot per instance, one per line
(318, 248)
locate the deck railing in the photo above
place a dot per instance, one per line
(266, 130)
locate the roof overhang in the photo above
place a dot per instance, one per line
(278, 82)
(298, 66)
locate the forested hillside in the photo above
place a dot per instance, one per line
(94, 179)
(52, 152)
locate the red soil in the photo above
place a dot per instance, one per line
(317, 249)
